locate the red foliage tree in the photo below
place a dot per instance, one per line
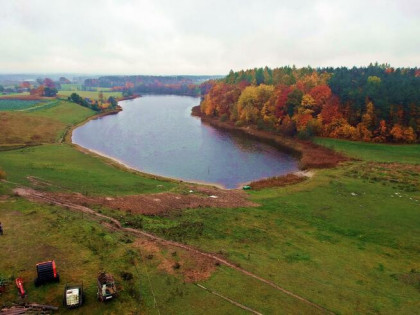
(331, 110)
(49, 83)
(320, 94)
(280, 94)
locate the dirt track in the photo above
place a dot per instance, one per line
(116, 225)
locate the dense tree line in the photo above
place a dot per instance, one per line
(376, 103)
(136, 84)
(96, 105)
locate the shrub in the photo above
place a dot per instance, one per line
(183, 231)
(134, 221)
(224, 118)
(239, 123)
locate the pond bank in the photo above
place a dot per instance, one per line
(310, 155)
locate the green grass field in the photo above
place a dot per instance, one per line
(78, 87)
(334, 239)
(17, 95)
(346, 239)
(70, 170)
(13, 105)
(374, 151)
(42, 124)
(91, 94)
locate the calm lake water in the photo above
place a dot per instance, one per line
(158, 135)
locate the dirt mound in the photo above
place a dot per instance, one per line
(191, 266)
(163, 203)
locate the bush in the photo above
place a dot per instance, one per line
(239, 123)
(306, 133)
(261, 125)
(133, 221)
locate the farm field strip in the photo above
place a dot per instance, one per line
(41, 106)
(18, 105)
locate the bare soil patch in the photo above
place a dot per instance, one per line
(162, 203)
(316, 156)
(278, 181)
(192, 267)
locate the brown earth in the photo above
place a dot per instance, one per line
(190, 266)
(278, 181)
(162, 203)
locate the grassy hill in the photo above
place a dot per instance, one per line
(43, 124)
(346, 239)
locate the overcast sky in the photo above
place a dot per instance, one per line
(204, 37)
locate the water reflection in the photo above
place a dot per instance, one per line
(156, 134)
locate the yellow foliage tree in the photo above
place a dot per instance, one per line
(364, 133)
(397, 133)
(251, 102)
(307, 105)
(368, 119)
(207, 106)
(409, 135)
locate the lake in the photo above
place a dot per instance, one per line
(157, 135)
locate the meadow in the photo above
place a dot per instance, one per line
(346, 238)
(17, 95)
(379, 152)
(79, 87)
(45, 123)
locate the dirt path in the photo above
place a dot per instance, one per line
(246, 308)
(116, 225)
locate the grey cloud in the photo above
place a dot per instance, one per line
(204, 37)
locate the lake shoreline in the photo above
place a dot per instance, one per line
(67, 137)
(285, 145)
(310, 155)
(120, 164)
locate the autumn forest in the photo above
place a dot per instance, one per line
(377, 103)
